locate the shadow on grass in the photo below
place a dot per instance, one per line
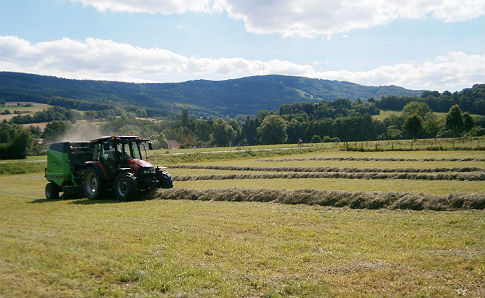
(80, 200)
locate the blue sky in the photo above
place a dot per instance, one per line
(435, 45)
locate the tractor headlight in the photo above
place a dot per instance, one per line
(148, 170)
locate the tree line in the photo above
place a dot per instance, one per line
(339, 120)
(470, 100)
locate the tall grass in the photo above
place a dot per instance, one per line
(355, 200)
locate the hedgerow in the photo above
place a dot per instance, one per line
(356, 200)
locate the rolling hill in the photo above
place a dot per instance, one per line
(202, 97)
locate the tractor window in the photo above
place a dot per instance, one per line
(107, 151)
(129, 150)
(96, 152)
(135, 150)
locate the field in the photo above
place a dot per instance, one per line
(232, 227)
(22, 108)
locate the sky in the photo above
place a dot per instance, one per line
(416, 44)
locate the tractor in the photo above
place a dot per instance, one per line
(103, 166)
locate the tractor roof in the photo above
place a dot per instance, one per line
(118, 138)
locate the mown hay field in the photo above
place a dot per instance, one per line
(168, 245)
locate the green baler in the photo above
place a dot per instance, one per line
(65, 166)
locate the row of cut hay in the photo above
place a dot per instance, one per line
(330, 169)
(408, 176)
(377, 159)
(357, 200)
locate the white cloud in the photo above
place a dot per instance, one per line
(307, 18)
(109, 60)
(455, 71)
(154, 6)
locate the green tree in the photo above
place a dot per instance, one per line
(222, 133)
(202, 130)
(184, 118)
(273, 130)
(454, 120)
(415, 107)
(468, 122)
(162, 141)
(432, 126)
(55, 130)
(413, 125)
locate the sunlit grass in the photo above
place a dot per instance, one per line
(387, 185)
(227, 249)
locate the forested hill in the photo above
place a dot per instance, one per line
(219, 98)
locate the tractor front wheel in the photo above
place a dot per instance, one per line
(52, 191)
(125, 187)
(93, 185)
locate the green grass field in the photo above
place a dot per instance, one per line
(82, 248)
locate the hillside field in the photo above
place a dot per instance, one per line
(220, 247)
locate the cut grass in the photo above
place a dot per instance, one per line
(395, 185)
(227, 249)
(354, 200)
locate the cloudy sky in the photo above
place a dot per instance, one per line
(416, 44)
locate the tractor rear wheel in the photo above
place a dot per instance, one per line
(93, 185)
(125, 187)
(52, 191)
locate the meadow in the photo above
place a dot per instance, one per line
(260, 237)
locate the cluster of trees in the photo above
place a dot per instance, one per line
(470, 100)
(51, 114)
(17, 142)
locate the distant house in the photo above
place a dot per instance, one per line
(172, 144)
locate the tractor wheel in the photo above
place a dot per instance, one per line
(165, 180)
(93, 185)
(125, 187)
(52, 191)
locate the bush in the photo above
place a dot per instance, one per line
(316, 139)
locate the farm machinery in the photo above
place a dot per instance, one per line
(102, 166)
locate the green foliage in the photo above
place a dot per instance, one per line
(468, 122)
(454, 120)
(316, 139)
(414, 125)
(55, 130)
(273, 130)
(222, 133)
(15, 142)
(419, 108)
(471, 100)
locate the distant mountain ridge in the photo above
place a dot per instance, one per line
(246, 95)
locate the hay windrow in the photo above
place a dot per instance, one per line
(331, 169)
(376, 159)
(294, 175)
(355, 200)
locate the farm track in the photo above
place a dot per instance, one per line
(409, 176)
(355, 200)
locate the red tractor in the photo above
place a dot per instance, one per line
(103, 165)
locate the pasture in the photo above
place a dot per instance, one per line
(249, 235)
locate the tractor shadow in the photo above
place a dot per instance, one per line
(108, 199)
